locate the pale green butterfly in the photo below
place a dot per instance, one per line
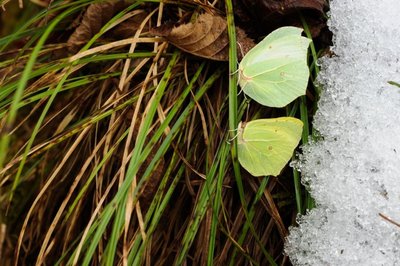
(266, 145)
(275, 71)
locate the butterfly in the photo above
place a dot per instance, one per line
(275, 71)
(266, 145)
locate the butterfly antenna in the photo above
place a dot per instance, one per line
(241, 49)
(237, 62)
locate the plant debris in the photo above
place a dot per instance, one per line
(94, 18)
(119, 154)
(206, 37)
(267, 15)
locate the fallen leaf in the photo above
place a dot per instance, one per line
(206, 37)
(128, 28)
(96, 16)
(285, 6)
(267, 15)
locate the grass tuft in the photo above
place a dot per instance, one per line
(124, 151)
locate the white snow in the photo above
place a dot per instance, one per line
(354, 172)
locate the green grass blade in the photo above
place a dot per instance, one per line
(133, 164)
(394, 83)
(246, 226)
(4, 141)
(202, 204)
(216, 209)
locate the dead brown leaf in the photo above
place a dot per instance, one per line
(94, 18)
(316, 5)
(207, 37)
(128, 28)
(285, 6)
(267, 15)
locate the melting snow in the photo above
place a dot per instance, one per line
(354, 172)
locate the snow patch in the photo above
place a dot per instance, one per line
(354, 172)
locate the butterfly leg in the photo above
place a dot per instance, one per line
(229, 141)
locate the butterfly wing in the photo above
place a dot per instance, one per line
(266, 145)
(275, 71)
